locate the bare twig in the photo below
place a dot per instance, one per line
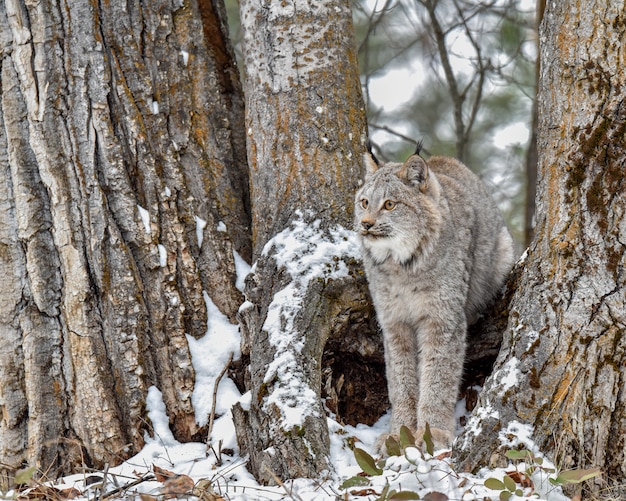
(280, 483)
(215, 386)
(117, 490)
(400, 135)
(104, 481)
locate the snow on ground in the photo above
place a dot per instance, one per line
(226, 469)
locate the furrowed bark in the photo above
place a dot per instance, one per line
(122, 135)
(564, 341)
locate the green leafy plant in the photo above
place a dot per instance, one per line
(515, 481)
(506, 486)
(372, 468)
(575, 476)
(366, 462)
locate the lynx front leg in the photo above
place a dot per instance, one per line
(442, 353)
(401, 360)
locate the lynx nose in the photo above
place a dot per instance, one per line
(366, 224)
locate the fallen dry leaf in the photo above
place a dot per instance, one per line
(365, 492)
(174, 485)
(520, 478)
(50, 493)
(162, 474)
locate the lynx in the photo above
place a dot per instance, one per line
(436, 251)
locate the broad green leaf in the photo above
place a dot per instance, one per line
(24, 476)
(519, 455)
(393, 447)
(404, 495)
(366, 462)
(509, 483)
(436, 496)
(577, 476)
(495, 484)
(355, 482)
(406, 437)
(505, 495)
(428, 440)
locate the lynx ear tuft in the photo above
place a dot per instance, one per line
(418, 146)
(414, 171)
(371, 163)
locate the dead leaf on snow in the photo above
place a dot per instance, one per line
(520, 478)
(174, 485)
(49, 493)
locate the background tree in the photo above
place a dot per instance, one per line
(122, 152)
(561, 370)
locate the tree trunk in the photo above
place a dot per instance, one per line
(531, 154)
(306, 132)
(562, 368)
(121, 134)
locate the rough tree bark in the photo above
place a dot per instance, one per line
(121, 134)
(306, 132)
(564, 342)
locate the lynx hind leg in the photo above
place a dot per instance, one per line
(401, 369)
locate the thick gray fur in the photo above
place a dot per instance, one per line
(436, 251)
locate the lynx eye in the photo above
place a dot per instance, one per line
(365, 203)
(389, 205)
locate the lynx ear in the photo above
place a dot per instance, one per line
(414, 171)
(371, 163)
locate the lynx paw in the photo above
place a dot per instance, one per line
(381, 443)
(442, 439)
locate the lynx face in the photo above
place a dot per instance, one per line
(395, 211)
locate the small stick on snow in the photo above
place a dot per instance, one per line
(279, 482)
(215, 386)
(146, 478)
(104, 481)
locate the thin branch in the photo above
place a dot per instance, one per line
(279, 482)
(146, 478)
(104, 481)
(457, 99)
(482, 70)
(217, 382)
(398, 134)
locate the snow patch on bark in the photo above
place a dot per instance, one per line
(242, 269)
(145, 218)
(306, 252)
(157, 413)
(507, 376)
(200, 225)
(474, 423)
(208, 362)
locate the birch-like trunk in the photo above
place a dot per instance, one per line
(306, 132)
(562, 368)
(121, 133)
